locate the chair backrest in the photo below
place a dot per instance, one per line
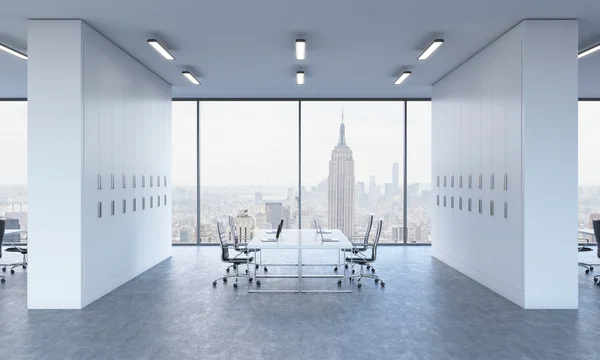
(368, 232)
(2, 227)
(376, 240)
(224, 248)
(596, 224)
(234, 235)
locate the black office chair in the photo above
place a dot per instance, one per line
(360, 247)
(23, 263)
(235, 261)
(364, 261)
(2, 226)
(596, 224)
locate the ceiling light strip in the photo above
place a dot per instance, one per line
(431, 48)
(300, 78)
(13, 52)
(586, 52)
(300, 49)
(188, 75)
(402, 77)
(160, 49)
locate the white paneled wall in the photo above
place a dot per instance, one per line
(114, 150)
(478, 122)
(127, 224)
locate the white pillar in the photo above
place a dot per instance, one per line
(511, 111)
(93, 112)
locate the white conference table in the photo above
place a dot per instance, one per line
(296, 239)
(13, 231)
(586, 231)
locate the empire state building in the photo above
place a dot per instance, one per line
(340, 204)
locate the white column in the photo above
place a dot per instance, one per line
(511, 111)
(96, 115)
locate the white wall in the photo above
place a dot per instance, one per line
(120, 127)
(506, 113)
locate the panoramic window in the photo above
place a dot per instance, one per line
(13, 182)
(352, 166)
(418, 171)
(184, 172)
(589, 154)
(249, 166)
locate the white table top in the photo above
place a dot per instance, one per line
(13, 231)
(296, 239)
(586, 231)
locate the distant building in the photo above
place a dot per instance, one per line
(412, 191)
(390, 191)
(258, 198)
(186, 235)
(274, 213)
(245, 226)
(261, 218)
(398, 233)
(341, 196)
(396, 176)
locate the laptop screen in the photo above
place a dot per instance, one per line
(279, 229)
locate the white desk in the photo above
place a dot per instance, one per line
(586, 231)
(13, 231)
(299, 240)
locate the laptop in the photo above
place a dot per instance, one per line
(276, 238)
(318, 228)
(324, 239)
(270, 232)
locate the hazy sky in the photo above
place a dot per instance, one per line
(244, 143)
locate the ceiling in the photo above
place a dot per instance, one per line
(245, 49)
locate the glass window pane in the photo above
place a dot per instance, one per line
(589, 157)
(184, 172)
(419, 171)
(249, 165)
(352, 156)
(13, 181)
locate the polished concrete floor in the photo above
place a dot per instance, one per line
(426, 311)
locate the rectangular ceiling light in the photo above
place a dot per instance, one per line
(402, 77)
(300, 49)
(431, 48)
(12, 51)
(593, 49)
(160, 49)
(188, 75)
(300, 78)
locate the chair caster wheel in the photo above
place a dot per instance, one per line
(12, 271)
(258, 283)
(335, 268)
(3, 280)
(368, 267)
(376, 281)
(373, 270)
(266, 269)
(595, 280)
(382, 284)
(587, 271)
(25, 267)
(214, 283)
(224, 280)
(353, 271)
(235, 285)
(246, 271)
(4, 269)
(250, 280)
(346, 266)
(339, 282)
(359, 285)
(256, 266)
(591, 268)
(228, 270)
(234, 267)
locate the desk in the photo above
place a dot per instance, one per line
(586, 231)
(13, 231)
(299, 240)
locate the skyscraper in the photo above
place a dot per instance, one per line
(274, 212)
(396, 176)
(340, 204)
